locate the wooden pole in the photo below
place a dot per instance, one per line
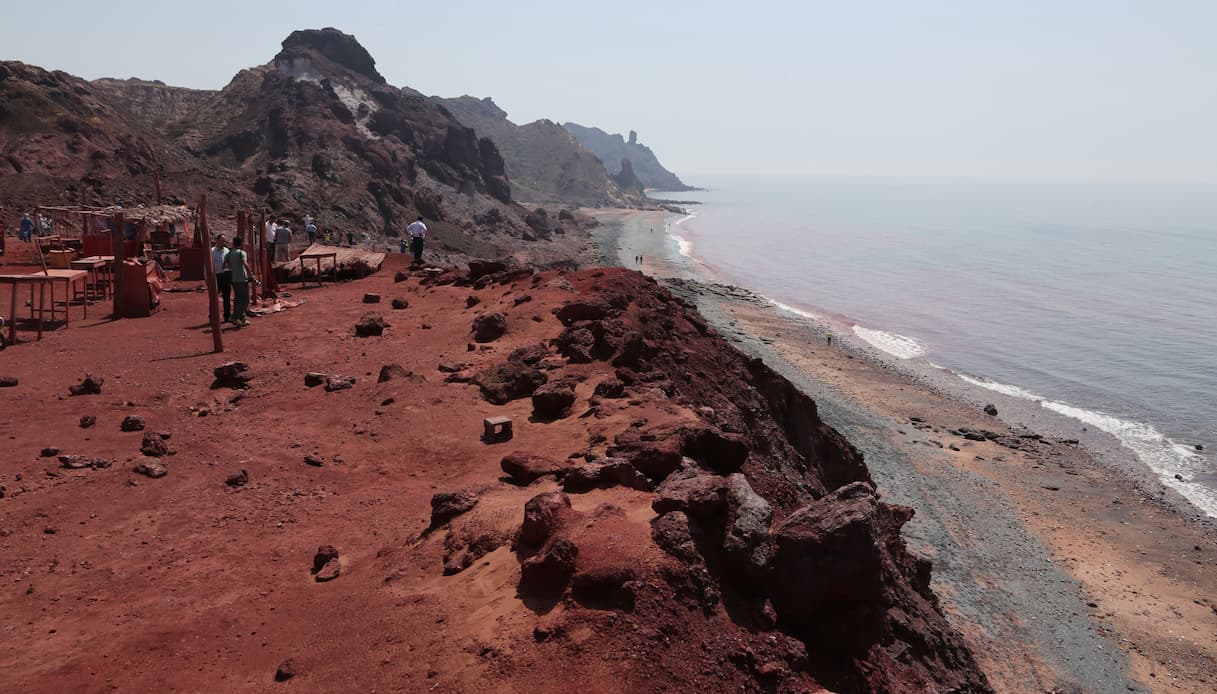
(156, 172)
(209, 272)
(116, 241)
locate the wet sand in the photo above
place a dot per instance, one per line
(1067, 573)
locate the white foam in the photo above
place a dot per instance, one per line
(1164, 456)
(791, 309)
(684, 246)
(896, 345)
(1004, 389)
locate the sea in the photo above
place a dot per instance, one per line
(1093, 301)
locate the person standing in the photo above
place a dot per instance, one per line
(311, 229)
(283, 242)
(223, 275)
(417, 232)
(269, 238)
(241, 274)
(27, 227)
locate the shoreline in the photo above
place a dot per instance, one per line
(1063, 569)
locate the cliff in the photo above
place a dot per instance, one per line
(544, 162)
(614, 149)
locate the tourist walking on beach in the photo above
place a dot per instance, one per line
(237, 262)
(283, 241)
(223, 275)
(27, 228)
(417, 232)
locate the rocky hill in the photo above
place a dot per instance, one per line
(316, 131)
(544, 161)
(613, 150)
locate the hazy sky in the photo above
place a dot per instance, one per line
(1025, 88)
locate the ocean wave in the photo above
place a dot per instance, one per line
(1004, 389)
(1163, 456)
(791, 309)
(896, 345)
(683, 246)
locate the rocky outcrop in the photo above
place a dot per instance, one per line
(614, 150)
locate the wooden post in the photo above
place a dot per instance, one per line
(263, 263)
(156, 172)
(116, 277)
(209, 272)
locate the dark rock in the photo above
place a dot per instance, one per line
(371, 325)
(577, 344)
(701, 496)
(576, 311)
(672, 534)
(240, 478)
(370, 298)
(49, 452)
(654, 458)
(91, 385)
(521, 299)
(233, 374)
(448, 505)
(529, 354)
(401, 276)
(472, 300)
(333, 383)
(285, 671)
(87, 420)
(974, 436)
(73, 462)
(132, 422)
(153, 445)
(388, 372)
(509, 381)
(723, 452)
(481, 268)
(452, 367)
(610, 388)
(329, 572)
(150, 468)
(547, 572)
(489, 327)
(524, 468)
(9, 382)
(991, 410)
(313, 379)
(1199, 447)
(608, 473)
(552, 401)
(399, 304)
(314, 460)
(544, 514)
(325, 554)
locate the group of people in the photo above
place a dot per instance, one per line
(233, 276)
(44, 226)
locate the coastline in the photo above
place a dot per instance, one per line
(1063, 569)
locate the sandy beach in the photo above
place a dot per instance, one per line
(1066, 568)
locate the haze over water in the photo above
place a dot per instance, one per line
(1096, 299)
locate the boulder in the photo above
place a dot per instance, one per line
(91, 385)
(370, 298)
(371, 325)
(524, 468)
(472, 300)
(747, 537)
(240, 478)
(481, 268)
(333, 383)
(49, 452)
(608, 473)
(725, 453)
(329, 572)
(672, 534)
(401, 276)
(153, 445)
(610, 388)
(544, 514)
(552, 401)
(132, 422)
(87, 420)
(388, 372)
(656, 459)
(991, 410)
(529, 354)
(10, 382)
(150, 468)
(700, 496)
(313, 379)
(576, 344)
(285, 671)
(399, 304)
(509, 381)
(325, 554)
(489, 327)
(448, 505)
(576, 311)
(547, 572)
(233, 374)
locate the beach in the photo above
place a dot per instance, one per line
(1068, 566)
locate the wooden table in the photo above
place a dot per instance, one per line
(333, 256)
(95, 266)
(42, 281)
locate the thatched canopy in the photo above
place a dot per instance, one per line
(153, 215)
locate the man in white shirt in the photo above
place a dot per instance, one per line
(269, 237)
(417, 232)
(223, 277)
